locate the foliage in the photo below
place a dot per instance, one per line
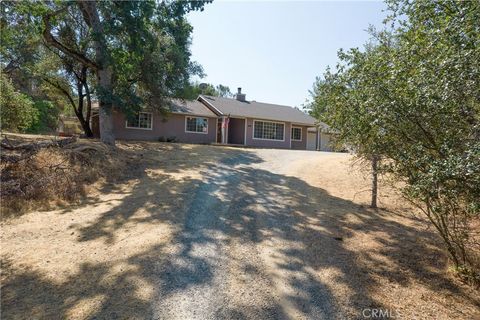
(48, 69)
(16, 109)
(18, 39)
(192, 91)
(48, 117)
(413, 98)
(138, 49)
(224, 91)
(27, 62)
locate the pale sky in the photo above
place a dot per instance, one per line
(275, 49)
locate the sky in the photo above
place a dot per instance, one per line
(274, 50)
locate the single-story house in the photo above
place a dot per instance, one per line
(231, 121)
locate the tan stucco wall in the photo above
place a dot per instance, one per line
(300, 145)
(174, 126)
(267, 143)
(171, 126)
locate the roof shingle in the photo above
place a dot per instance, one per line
(258, 110)
(194, 107)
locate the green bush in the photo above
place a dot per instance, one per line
(412, 99)
(48, 117)
(17, 111)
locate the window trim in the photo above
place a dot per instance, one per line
(196, 117)
(291, 133)
(258, 120)
(138, 128)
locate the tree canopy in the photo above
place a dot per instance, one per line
(193, 90)
(412, 97)
(136, 51)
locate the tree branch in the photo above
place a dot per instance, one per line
(62, 90)
(52, 41)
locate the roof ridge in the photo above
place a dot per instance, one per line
(253, 101)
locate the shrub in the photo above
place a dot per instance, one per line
(48, 117)
(411, 99)
(17, 112)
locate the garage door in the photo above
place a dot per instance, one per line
(311, 140)
(325, 142)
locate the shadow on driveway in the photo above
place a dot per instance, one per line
(235, 205)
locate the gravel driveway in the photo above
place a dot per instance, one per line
(223, 264)
(203, 232)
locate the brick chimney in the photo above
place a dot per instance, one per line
(240, 96)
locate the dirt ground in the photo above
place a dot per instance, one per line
(208, 232)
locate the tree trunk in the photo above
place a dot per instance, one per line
(373, 203)
(83, 122)
(89, 103)
(103, 71)
(86, 129)
(100, 66)
(105, 108)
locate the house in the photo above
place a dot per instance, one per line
(186, 121)
(232, 121)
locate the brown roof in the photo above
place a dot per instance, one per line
(258, 110)
(194, 107)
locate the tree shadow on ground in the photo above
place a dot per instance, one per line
(304, 232)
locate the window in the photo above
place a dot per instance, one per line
(142, 120)
(268, 130)
(197, 125)
(296, 134)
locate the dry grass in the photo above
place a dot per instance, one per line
(53, 176)
(298, 230)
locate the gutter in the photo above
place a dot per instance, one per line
(214, 116)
